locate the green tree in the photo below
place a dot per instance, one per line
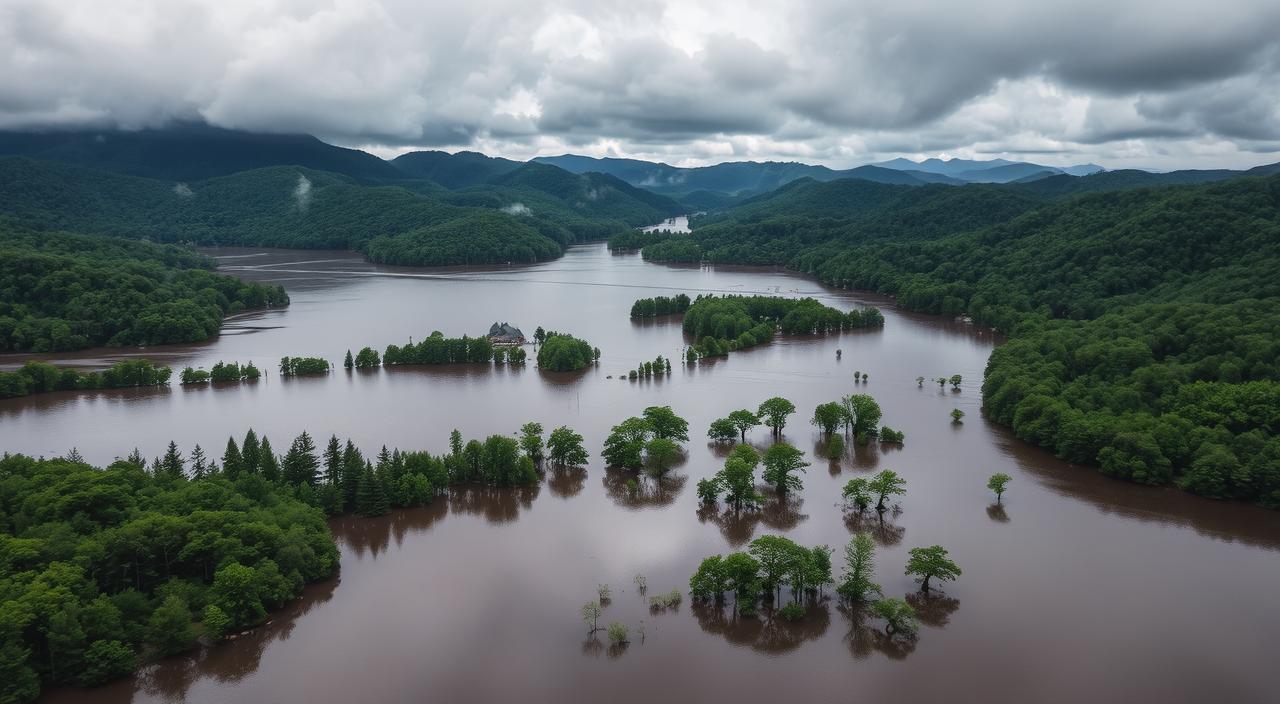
(666, 424)
(172, 465)
(722, 430)
(711, 581)
(778, 558)
(232, 461)
(956, 415)
(835, 447)
(301, 465)
(333, 461)
(738, 477)
(858, 492)
(268, 465)
(65, 642)
(931, 563)
(827, 417)
(862, 414)
(348, 362)
(955, 381)
(899, 617)
(781, 463)
(105, 660)
(531, 440)
(708, 491)
(169, 628)
(624, 447)
(590, 613)
(857, 583)
(742, 577)
(743, 420)
(251, 452)
(661, 454)
(236, 592)
(216, 622)
(566, 449)
(371, 498)
(884, 484)
(997, 483)
(774, 413)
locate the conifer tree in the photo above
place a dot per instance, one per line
(232, 460)
(172, 465)
(268, 465)
(300, 462)
(199, 463)
(333, 461)
(371, 499)
(252, 462)
(352, 469)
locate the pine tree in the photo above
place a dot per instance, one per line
(251, 453)
(352, 468)
(232, 461)
(268, 465)
(172, 465)
(333, 461)
(347, 362)
(199, 464)
(300, 463)
(371, 499)
(135, 458)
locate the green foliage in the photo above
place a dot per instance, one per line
(438, 349)
(773, 412)
(737, 479)
(148, 548)
(857, 491)
(725, 323)
(890, 435)
(835, 447)
(957, 415)
(216, 622)
(221, 373)
(618, 633)
(998, 482)
(860, 413)
(743, 420)
(666, 424)
(661, 453)
(886, 484)
(781, 463)
(660, 305)
(565, 353)
(590, 613)
(61, 292)
(899, 617)
(300, 366)
(565, 448)
(531, 440)
(367, 358)
(708, 490)
(38, 377)
(828, 416)
(792, 612)
(931, 563)
(662, 602)
(1131, 313)
(722, 430)
(624, 447)
(857, 583)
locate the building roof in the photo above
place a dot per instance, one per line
(505, 331)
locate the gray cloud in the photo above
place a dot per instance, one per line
(1146, 82)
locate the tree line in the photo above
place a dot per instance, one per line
(725, 323)
(39, 377)
(221, 372)
(660, 305)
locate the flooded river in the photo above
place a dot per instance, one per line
(1077, 588)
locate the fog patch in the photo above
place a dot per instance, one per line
(518, 209)
(302, 193)
(183, 190)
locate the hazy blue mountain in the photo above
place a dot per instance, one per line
(193, 152)
(984, 171)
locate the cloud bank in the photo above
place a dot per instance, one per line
(1160, 83)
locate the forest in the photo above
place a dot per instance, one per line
(724, 323)
(61, 292)
(1144, 324)
(40, 377)
(103, 569)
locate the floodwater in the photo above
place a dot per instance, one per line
(1077, 588)
(678, 224)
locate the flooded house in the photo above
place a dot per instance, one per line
(504, 334)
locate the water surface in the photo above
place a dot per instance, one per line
(1077, 588)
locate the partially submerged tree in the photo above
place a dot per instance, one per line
(743, 420)
(565, 449)
(666, 424)
(781, 463)
(774, 413)
(531, 440)
(591, 616)
(722, 430)
(931, 563)
(857, 492)
(899, 617)
(885, 484)
(661, 454)
(828, 416)
(956, 415)
(997, 483)
(856, 584)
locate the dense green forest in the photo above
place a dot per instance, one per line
(566, 353)
(1144, 323)
(65, 292)
(529, 214)
(102, 569)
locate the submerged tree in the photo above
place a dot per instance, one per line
(565, 448)
(743, 420)
(590, 613)
(997, 483)
(857, 583)
(661, 454)
(722, 430)
(827, 417)
(531, 440)
(858, 492)
(774, 413)
(885, 484)
(666, 424)
(738, 477)
(781, 462)
(956, 415)
(899, 617)
(931, 563)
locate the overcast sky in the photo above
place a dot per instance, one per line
(1156, 83)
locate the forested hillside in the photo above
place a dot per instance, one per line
(527, 217)
(1144, 323)
(65, 292)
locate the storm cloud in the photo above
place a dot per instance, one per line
(1161, 84)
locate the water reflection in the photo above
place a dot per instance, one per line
(997, 513)
(738, 527)
(373, 535)
(496, 504)
(767, 632)
(880, 524)
(933, 608)
(637, 490)
(867, 637)
(566, 482)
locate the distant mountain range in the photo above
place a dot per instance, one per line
(194, 152)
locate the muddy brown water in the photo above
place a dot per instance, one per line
(1076, 588)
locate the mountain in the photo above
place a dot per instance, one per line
(984, 171)
(453, 170)
(193, 152)
(593, 194)
(1063, 185)
(734, 179)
